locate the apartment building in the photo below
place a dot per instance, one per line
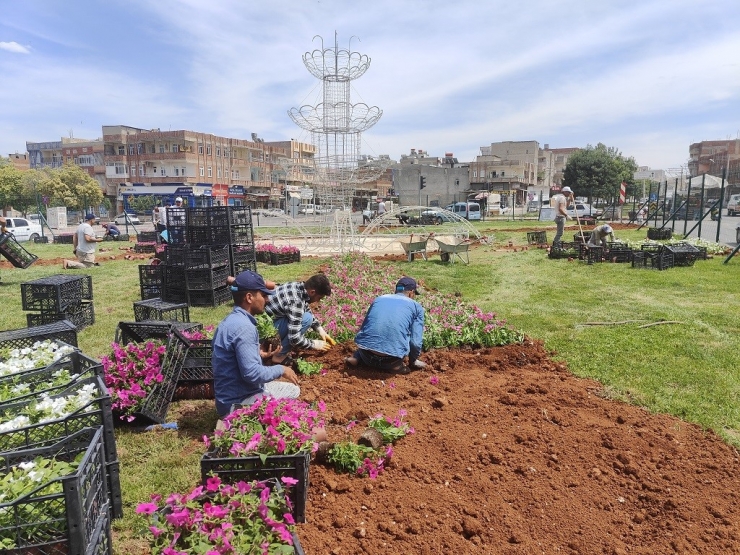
(717, 158)
(445, 179)
(208, 169)
(86, 153)
(509, 167)
(19, 161)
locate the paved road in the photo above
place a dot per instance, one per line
(728, 229)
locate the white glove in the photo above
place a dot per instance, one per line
(320, 345)
(419, 364)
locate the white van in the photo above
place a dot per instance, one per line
(733, 205)
(467, 210)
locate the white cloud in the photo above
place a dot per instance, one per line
(15, 47)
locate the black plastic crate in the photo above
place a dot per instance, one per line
(54, 293)
(558, 252)
(150, 275)
(146, 236)
(620, 255)
(81, 315)
(197, 365)
(657, 234)
(76, 363)
(234, 469)
(207, 257)
(594, 254)
(239, 267)
(138, 332)
(177, 217)
(198, 217)
(684, 254)
(242, 235)
(157, 403)
(157, 309)
(582, 237)
(199, 236)
(177, 255)
(240, 215)
(284, 258)
(64, 239)
(14, 252)
(175, 294)
(173, 276)
(206, 279)
(243, 257)
(537, 237)
(145, 248)
(176, 234)
(215, 297)
(64, 331)
(72, 521)
(150, 292)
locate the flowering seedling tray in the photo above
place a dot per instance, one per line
(64, 331)
(277, 258)
(75, 363)
(157, 403)
(234, 469)
(68, 514)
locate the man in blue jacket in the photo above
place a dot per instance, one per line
(393, 328)
(239, 376)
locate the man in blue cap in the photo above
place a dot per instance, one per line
(83, 242)
(392, 329)
(239, 376)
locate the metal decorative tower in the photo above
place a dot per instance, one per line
(336, 125)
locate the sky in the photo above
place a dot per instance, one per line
(649, 77)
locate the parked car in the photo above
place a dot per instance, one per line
(733, 205)
(583, 210)
(23, 229)
(123, 217)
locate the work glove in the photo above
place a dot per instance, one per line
(319, 345)
(418, 365)
(325, 336)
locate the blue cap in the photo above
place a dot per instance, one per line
(90, 216)
(250, 281)
(406, 284)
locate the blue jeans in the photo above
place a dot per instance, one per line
(282, 326)
(386, 363)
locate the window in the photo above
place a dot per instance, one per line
(120, 169)
(121, 150)
(255, 174)
(139, 148)
(234, 174)
(177, 171)
(503, 174)
(208, 149)
(152, 149)
(210, 171)
(202, 171)
(162, 171)
(218, 151)
(475, 173)
(130, 149)
(183, 172)
(141, 169)
(218, 172)
(200, 148)
(162, 148)
(226, 152)
(174, 147)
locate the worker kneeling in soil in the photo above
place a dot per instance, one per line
(599, 235)
(392, 329)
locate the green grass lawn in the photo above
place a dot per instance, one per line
(690, 369)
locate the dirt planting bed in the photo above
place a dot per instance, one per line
(514, 455)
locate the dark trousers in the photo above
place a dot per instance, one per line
(381, 362)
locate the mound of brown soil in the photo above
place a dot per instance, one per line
(514, 455)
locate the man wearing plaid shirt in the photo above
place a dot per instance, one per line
(292, 316)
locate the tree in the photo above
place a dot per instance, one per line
(40, 184)
(10, 186)
(598, 172)
(79, 190)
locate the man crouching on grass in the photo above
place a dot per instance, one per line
(239, 376)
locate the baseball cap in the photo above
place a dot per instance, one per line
(90, 216)
(178, 199)
(607, 228)
(250, 281)
(566, 190)
(406, 284)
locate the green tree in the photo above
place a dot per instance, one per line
(597, 172)
(10, 186)
(37, 184)
(79, 190)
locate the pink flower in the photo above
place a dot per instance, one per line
(146, 508)
(434, 380)
(213, 483)
(288, 481)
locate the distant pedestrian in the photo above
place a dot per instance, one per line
(112, 231)
(160, 217)
(83, 242)
(381, 208)
(560, 203)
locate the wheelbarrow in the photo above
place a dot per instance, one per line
(448, 251)
(412, 247)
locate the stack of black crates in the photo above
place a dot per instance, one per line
(59, 297)
(206, 245)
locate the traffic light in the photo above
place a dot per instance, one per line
(422, 182)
